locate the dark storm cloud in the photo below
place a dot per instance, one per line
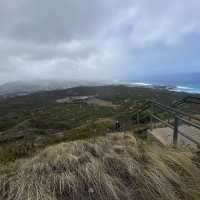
(55, 21)
(85, 39)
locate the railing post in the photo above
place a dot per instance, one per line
(175, 136)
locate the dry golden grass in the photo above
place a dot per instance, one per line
(116, 167)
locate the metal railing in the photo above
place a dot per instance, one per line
(188, 99)
(174, 120)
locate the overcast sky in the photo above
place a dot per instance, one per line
(98, 39)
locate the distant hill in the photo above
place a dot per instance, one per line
(21, 88)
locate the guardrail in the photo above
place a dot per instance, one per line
(175, 118)
(188, 99)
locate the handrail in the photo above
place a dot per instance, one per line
(188, 99)
(189, 123)
(157, 118)
(178, 116)
(189, 138)
(172, 127)
(175, 111)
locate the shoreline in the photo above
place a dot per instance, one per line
(172, 88)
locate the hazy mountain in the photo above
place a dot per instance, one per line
(26, 87)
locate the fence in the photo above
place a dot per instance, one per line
(175, 118)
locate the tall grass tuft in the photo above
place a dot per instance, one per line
(115, 167)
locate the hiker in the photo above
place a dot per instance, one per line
(117, 125)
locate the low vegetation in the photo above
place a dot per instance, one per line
(55, 151)
(26, 128)
(113, 167)
(38, 139)
(196, 157)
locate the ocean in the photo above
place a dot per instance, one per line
(189, 83)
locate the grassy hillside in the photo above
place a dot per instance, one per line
(113, 93)
(113, 167)
(55, 151)
(30, 123)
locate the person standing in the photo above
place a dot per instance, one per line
(117, 125)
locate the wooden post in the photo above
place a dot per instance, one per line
(175, 136)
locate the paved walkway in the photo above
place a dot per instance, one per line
(165, 136)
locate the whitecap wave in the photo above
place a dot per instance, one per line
(178, 88)
(140, 84)
(186, 89)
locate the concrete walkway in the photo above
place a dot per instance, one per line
(165, 136)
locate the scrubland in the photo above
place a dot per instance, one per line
(116, 166)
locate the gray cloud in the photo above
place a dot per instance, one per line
(95, 39)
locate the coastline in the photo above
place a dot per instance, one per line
(173, 88)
